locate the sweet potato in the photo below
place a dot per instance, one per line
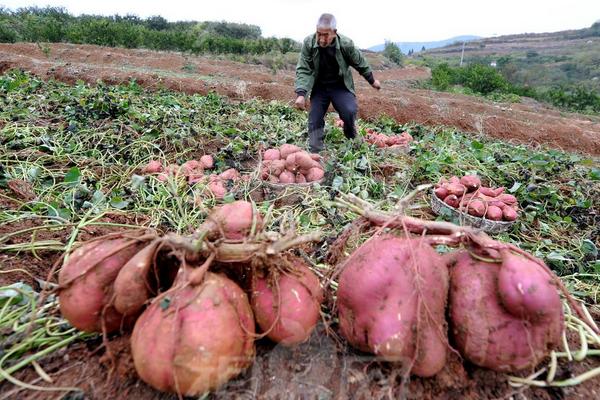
(391, 299)
(471, 182)
(217, 188)
(507, 198)
(287, 305)
(287, 177)
(526, 290)
(456, 189)
(287, 149)
(162, 177)
(272, 154)
(494, 213)
(509, 214)
(487, 191)
(198, 340)
(207, 161)
(190, 166)
(86, 281)
(153, 167)
(233, 220)
(273, 179)
(305, 161)
(315, 174)
(299, 178)
(485, 332)
(476, 208)
(452, 200)
(230, 174)
(441, 192)
(134, 284)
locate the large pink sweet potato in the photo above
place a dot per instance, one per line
(484, 331)
(196, 339)
(287, 305)
(233, 220)
(527, 290)
(86, 283)
(391, 299)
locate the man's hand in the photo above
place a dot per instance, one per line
(300, 102)
(376, 84)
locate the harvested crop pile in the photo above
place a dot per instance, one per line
(467, 194)
(505, 311)
(194, 172)
(187, 298)
(291, 164)
(382, 140)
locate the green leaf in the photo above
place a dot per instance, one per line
(72, 176)
(595, 174)
(54, 210)
(33, 173)
(229, 198)
(556, 256)
(337, 183)
(589, 248)
(137, 181)
(118, 202)
(98, 197)
(476, 145)
(515, 187)
(15, 293)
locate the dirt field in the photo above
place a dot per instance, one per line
(528, 122)
(321, 368)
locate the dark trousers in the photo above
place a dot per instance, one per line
(344, 103)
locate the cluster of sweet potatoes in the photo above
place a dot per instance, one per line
(382, 140)
(192, 307)
(504, 308)
(469, 195)
(291, 164)
(194, 172)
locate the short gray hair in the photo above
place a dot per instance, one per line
(326, 21)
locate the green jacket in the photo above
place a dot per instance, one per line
(346, 54)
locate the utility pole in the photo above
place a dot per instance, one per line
(462, 54)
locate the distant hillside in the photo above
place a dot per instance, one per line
(540, 60)
(417, 46)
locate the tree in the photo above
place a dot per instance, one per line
(392, 52)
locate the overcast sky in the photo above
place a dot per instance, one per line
(367, 22)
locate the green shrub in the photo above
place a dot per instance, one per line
(392, 52)
(482, 79)
(442, 76)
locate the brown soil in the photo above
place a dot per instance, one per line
(318, 369)
(527, 122)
